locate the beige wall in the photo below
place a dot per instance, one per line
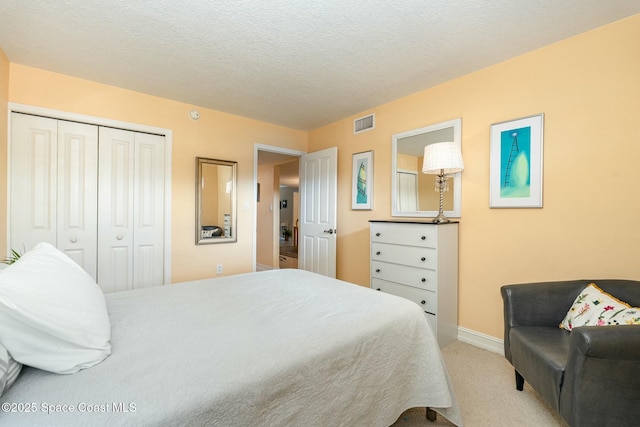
(225, 176)
(588, 88)
(216, 135)
(209, 197)
(265, 232)
(4, 97)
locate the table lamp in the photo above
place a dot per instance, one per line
(442, 159)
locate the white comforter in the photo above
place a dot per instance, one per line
(276, 348)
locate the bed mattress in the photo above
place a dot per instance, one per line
(273, 348)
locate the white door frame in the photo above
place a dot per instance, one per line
(272, 149)
(74, 117)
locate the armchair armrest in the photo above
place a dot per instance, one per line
(602, 376)
(537, 304)
(607, 342)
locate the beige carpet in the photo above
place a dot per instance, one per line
(485, 386)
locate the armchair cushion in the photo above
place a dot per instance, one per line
(541, 353)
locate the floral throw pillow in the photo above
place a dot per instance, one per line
(594, 307)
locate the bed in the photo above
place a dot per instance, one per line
(273, 348)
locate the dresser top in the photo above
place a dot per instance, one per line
(397, 221)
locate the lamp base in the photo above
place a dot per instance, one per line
(441, 184)
(441, 219)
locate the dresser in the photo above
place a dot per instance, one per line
(419, 261)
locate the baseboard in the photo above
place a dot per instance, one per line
(486, 342)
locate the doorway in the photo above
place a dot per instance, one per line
(276, 174)
(289, 212)
(318, 176)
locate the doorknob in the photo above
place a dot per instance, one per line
(330, 231)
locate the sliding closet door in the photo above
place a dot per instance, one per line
(53, 187)
(131, 210)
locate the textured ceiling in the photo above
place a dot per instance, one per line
(297, 63)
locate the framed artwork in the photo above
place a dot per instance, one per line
(516, 163)
(362, 181)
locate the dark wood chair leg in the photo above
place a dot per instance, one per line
(519, 381)
(431, 415)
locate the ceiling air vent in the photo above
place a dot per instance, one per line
(364, 124)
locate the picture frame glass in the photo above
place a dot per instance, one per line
(362, 181)
(516, 163)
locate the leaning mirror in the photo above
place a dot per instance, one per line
(215, 201)
(414, 194)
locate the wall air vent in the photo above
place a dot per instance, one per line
(364, 124)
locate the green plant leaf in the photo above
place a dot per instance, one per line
(12, 257)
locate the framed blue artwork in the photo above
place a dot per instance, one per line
(516, 163)
(362, 181)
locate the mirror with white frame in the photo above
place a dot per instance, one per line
(414, 194)
(215, 201)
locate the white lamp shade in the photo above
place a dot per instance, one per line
(442, 156)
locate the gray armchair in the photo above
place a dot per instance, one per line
(590, 376)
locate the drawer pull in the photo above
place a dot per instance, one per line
(423, 280)
(423, 302)
(377, 289)
(423, 238)
(377, 270)
(423, 259)
(377, 234)
(378, 253)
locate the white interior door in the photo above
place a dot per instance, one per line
(115, 230)
(407, 192)
(131, 206)
(33, 187)
(148, 203)
(77, 222)
(53, 187)
(318, 204)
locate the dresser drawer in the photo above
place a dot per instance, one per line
(412, 276)
(407, 234)
(425, 299)
(409, 255)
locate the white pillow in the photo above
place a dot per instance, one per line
(53, 315)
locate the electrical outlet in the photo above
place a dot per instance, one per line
(219, 269)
